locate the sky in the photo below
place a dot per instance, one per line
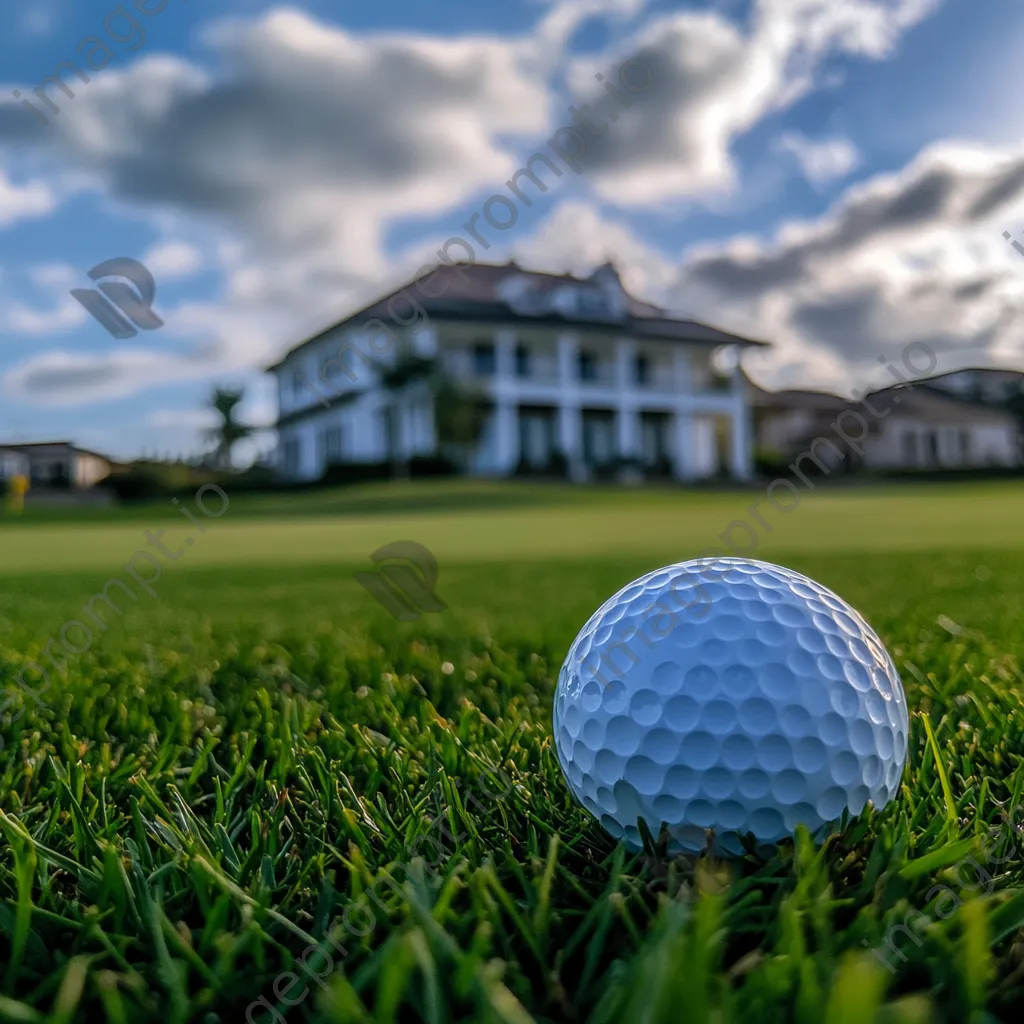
(832, 176)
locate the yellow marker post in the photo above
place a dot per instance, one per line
(16, 488)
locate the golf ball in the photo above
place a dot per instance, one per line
(728, 694)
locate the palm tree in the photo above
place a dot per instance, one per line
(229, 431)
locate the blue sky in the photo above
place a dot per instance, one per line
(831, 175)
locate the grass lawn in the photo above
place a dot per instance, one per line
(260, 761)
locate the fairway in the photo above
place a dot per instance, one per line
(257, 796)
(669, 525)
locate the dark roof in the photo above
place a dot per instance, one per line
(797, 398)
(479, 292)
(928, 404)
(983, 372)
(26, 446)
(918, 401)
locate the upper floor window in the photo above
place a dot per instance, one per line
(642, 370)
(587, 366)
(483, 359)
(522, 361)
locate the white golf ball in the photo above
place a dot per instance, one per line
(732, 695)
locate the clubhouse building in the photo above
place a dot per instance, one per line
(570, 371)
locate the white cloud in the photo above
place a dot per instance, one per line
(713, 81)
(23, 202)
(914, 257)
(310, 144)
(22, 319)
(61, 378)
(185, 419)
(821, 160)
(61, 276)
(173, 260)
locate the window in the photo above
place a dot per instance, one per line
(591, 303)
(292, 453)
(965, 447)
(587, 366)
(483, 359)
(330, 446)
(522, 361)
(933, 446)
(910, 456)
(642, 370)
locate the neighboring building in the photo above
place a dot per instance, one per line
(12, 464)
(986, 386)
(567, 367)
(59, 464)
(916, 428)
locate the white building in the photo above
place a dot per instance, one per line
(58, 464)
(906, 427)
(565, 366)
(12, 464)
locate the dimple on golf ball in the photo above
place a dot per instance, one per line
(728, 694)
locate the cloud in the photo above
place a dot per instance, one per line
(576, 237)
(68, 378)
(61, 276)
(306, 146)
(199, 341)
(187, 419)
(173, 260)
(909, 258)
(23, 202)
(19, 318)
(821, 160)
(375, 128)
(713, 81)
(912, 257)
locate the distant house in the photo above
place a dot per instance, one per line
(12, 464)
(58, 464)
(985, 386)
(912, 427)
(571, 371)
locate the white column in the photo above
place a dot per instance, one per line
(505, 356)
(628, 422)
(506, 409)
(741, 463)
(625, 358)
(684, 440)
(568, 351)
(626, 416)
(570, 420)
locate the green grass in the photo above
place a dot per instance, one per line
(231, 769)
